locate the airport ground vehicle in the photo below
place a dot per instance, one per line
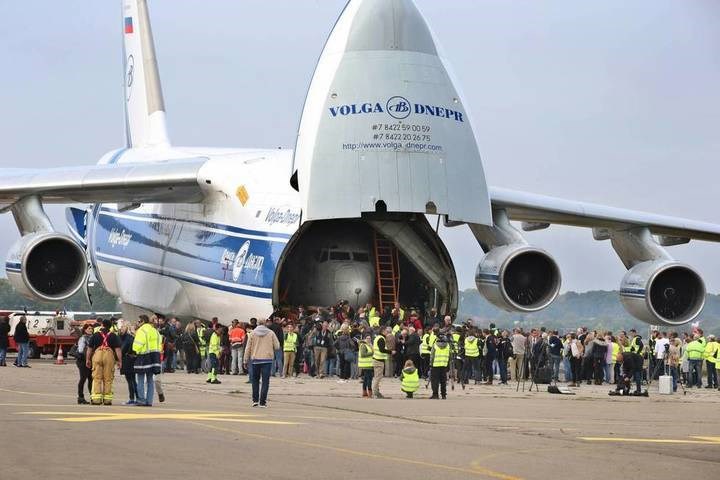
(48, 330)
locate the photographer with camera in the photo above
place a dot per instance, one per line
(632, 367)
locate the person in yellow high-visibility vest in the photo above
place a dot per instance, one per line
(439, 361)
(711, 357)
(146, 345)
(289, 350)
(365, 365)
(424, 353)
(214, 350)
(471, 366)
(373, 316)
(380, 357)
(409, 379)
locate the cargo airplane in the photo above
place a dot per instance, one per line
(385, 142)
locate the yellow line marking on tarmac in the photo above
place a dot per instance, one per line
(77, 417)
(475, 470)
(697, 441)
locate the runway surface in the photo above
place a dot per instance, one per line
(322, 429)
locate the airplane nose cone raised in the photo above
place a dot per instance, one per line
(383, 126)
(386, 25)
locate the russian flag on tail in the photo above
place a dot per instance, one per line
(128, 25)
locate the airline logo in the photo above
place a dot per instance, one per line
(128, 25)
(398, 108)
(244, 260)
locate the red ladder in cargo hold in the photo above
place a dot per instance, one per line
(387, 270)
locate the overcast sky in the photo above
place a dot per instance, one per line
(604, 101)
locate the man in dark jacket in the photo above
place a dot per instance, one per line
(412, 346)
(277, 329)
(22, 340)
(4, 342)
(490, 354)
(632, 365)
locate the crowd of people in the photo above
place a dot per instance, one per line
(367, 345)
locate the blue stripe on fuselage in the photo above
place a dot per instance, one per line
(219, 226)
(218, 256)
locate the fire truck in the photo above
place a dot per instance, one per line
(50, 330)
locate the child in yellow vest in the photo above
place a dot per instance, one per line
(409, 379)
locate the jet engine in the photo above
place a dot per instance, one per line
(49, 266)
(518, 278)
(663, 292)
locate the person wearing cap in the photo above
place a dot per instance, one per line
(439, 361)
(711, 357)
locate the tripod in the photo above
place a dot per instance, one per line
(542, 357)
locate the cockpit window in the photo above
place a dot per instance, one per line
(361, 257)
(339, 255)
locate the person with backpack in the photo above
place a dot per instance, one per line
(103, 351)
(505, 352)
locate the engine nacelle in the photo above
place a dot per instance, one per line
(518, 278)
(663, 292)
(49, 266)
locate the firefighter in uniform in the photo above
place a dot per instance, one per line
(214, 350)
(439, 361)
(102, 351)
(289, 349)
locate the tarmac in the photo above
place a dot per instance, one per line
(321, 429)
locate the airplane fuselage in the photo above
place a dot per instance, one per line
(216, 258)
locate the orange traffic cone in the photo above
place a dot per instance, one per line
(60, 359)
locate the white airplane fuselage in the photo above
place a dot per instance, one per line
(216, 258)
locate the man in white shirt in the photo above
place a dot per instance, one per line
(661, 344)
(517, 361)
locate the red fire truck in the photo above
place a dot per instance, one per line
(49, 330)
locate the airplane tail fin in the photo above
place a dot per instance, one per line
(144, 105)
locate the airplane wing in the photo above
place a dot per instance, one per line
(148, 182)
(540, 209)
